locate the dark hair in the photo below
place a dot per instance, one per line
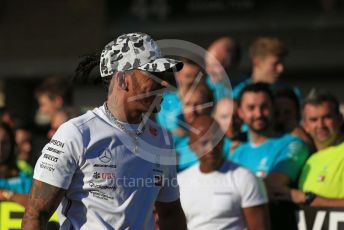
(290, 94)
(317, 97)
(85, 67)
(256, 88)
(203, 89)
(12, 158)
(54, 87)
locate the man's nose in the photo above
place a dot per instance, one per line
(258, 112)
(320, 123)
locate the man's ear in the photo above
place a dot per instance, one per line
(122, 81)
(240, 113)
(305, 126)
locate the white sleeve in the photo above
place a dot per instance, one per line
(251, 188)
(60, 157)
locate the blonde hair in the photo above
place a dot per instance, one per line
(265, 46)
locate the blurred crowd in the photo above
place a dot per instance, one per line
(248, 151)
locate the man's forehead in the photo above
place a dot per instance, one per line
(314, 109)
(195, 97)
(251, 96)
(224, 104)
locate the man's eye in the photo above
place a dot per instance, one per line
(250, 107)
(204, 142)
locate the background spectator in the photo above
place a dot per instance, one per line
(61, 117)
(52, 95)
(276, 158)
(221, 61)
(197, 101)
(216, 193)
(321, 183)
(225, 113)
(288, 116)
(267, 56)
(13, 182)
(23, 137)
(171, 106)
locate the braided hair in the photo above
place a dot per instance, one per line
(85, 68)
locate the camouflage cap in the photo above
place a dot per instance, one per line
(135, 51)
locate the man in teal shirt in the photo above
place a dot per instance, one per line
(277, 158)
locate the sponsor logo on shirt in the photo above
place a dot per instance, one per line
(105, 157)
(153, 131)
(262, 167)
(261, 174)
(50, 157)
(321, 178)
(100, 195)
(53, 150)
(47, 166)
(104, 166)
(57, 143)
(104, 176)
(294, 150)
(98, 186)
(96, 175)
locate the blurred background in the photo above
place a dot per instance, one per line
(41, 39)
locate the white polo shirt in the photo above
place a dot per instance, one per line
(108, 186)
(215, 200)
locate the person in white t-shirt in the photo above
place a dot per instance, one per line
(216, 193)
(107, 168)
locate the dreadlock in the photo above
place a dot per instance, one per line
(84, 70)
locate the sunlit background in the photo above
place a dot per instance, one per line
(40, 39)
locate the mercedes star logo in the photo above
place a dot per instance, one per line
(105, 157)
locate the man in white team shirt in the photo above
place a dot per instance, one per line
(107, 168)
(216, 193)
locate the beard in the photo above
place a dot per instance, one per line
(149, 104)
(259, 128)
